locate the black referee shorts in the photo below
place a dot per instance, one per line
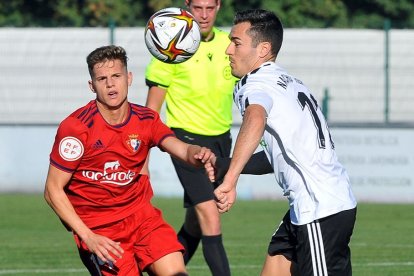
(197, 186)
(319, 248)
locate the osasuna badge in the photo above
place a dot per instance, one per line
(133, 142)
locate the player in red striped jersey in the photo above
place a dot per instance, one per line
(95, 185)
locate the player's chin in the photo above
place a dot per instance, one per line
(235, 72)
(114, 103)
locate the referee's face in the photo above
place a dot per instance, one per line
(205, 12)
(243, 56)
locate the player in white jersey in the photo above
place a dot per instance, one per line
(281, 114)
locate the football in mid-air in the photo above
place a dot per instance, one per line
(172, 35)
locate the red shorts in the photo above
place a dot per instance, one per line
(145, 238)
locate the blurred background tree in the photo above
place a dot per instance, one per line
(130, 13)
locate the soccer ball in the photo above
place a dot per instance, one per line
(172, 35)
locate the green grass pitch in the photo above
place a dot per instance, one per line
(33, 241)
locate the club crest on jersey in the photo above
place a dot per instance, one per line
(133, 142)
(227, 72)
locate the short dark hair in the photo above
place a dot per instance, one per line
(189, 2)
(105, 53)
(265, 27)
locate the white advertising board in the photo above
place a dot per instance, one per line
(379, 161)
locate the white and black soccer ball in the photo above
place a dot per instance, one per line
(172, 35)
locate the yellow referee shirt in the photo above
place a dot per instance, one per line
(200, 90)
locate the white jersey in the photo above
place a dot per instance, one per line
(298, 144)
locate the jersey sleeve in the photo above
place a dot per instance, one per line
(160, 131)
(69, 145)
(257, 93)
(159, 73)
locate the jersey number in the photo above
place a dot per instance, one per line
(312, 105)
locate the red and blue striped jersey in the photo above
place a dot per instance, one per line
(106, 161)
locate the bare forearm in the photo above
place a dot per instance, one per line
(251, 132)
(191, 154)
(59, 202)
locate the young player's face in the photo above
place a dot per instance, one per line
(205, 12)
(243, 56)
(110, 83)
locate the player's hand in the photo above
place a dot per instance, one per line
(210, 170)
(205, 155)
(106, 249)
(225, 197)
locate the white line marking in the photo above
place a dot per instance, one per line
(385, 264)
(395, 245)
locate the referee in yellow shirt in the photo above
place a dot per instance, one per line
(198, 95)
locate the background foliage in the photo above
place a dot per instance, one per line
(129, 13)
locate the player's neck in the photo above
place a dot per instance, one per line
(114, 116)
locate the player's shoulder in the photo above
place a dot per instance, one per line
(258, 75)
(272, 68)
(283, 80)
(83, 116)
(143, 112)
(261, 77)
(269, 72)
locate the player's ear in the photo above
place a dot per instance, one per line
(265, 49)
(218, 2)
(90, 83)
(130, 77)
(187, 3)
